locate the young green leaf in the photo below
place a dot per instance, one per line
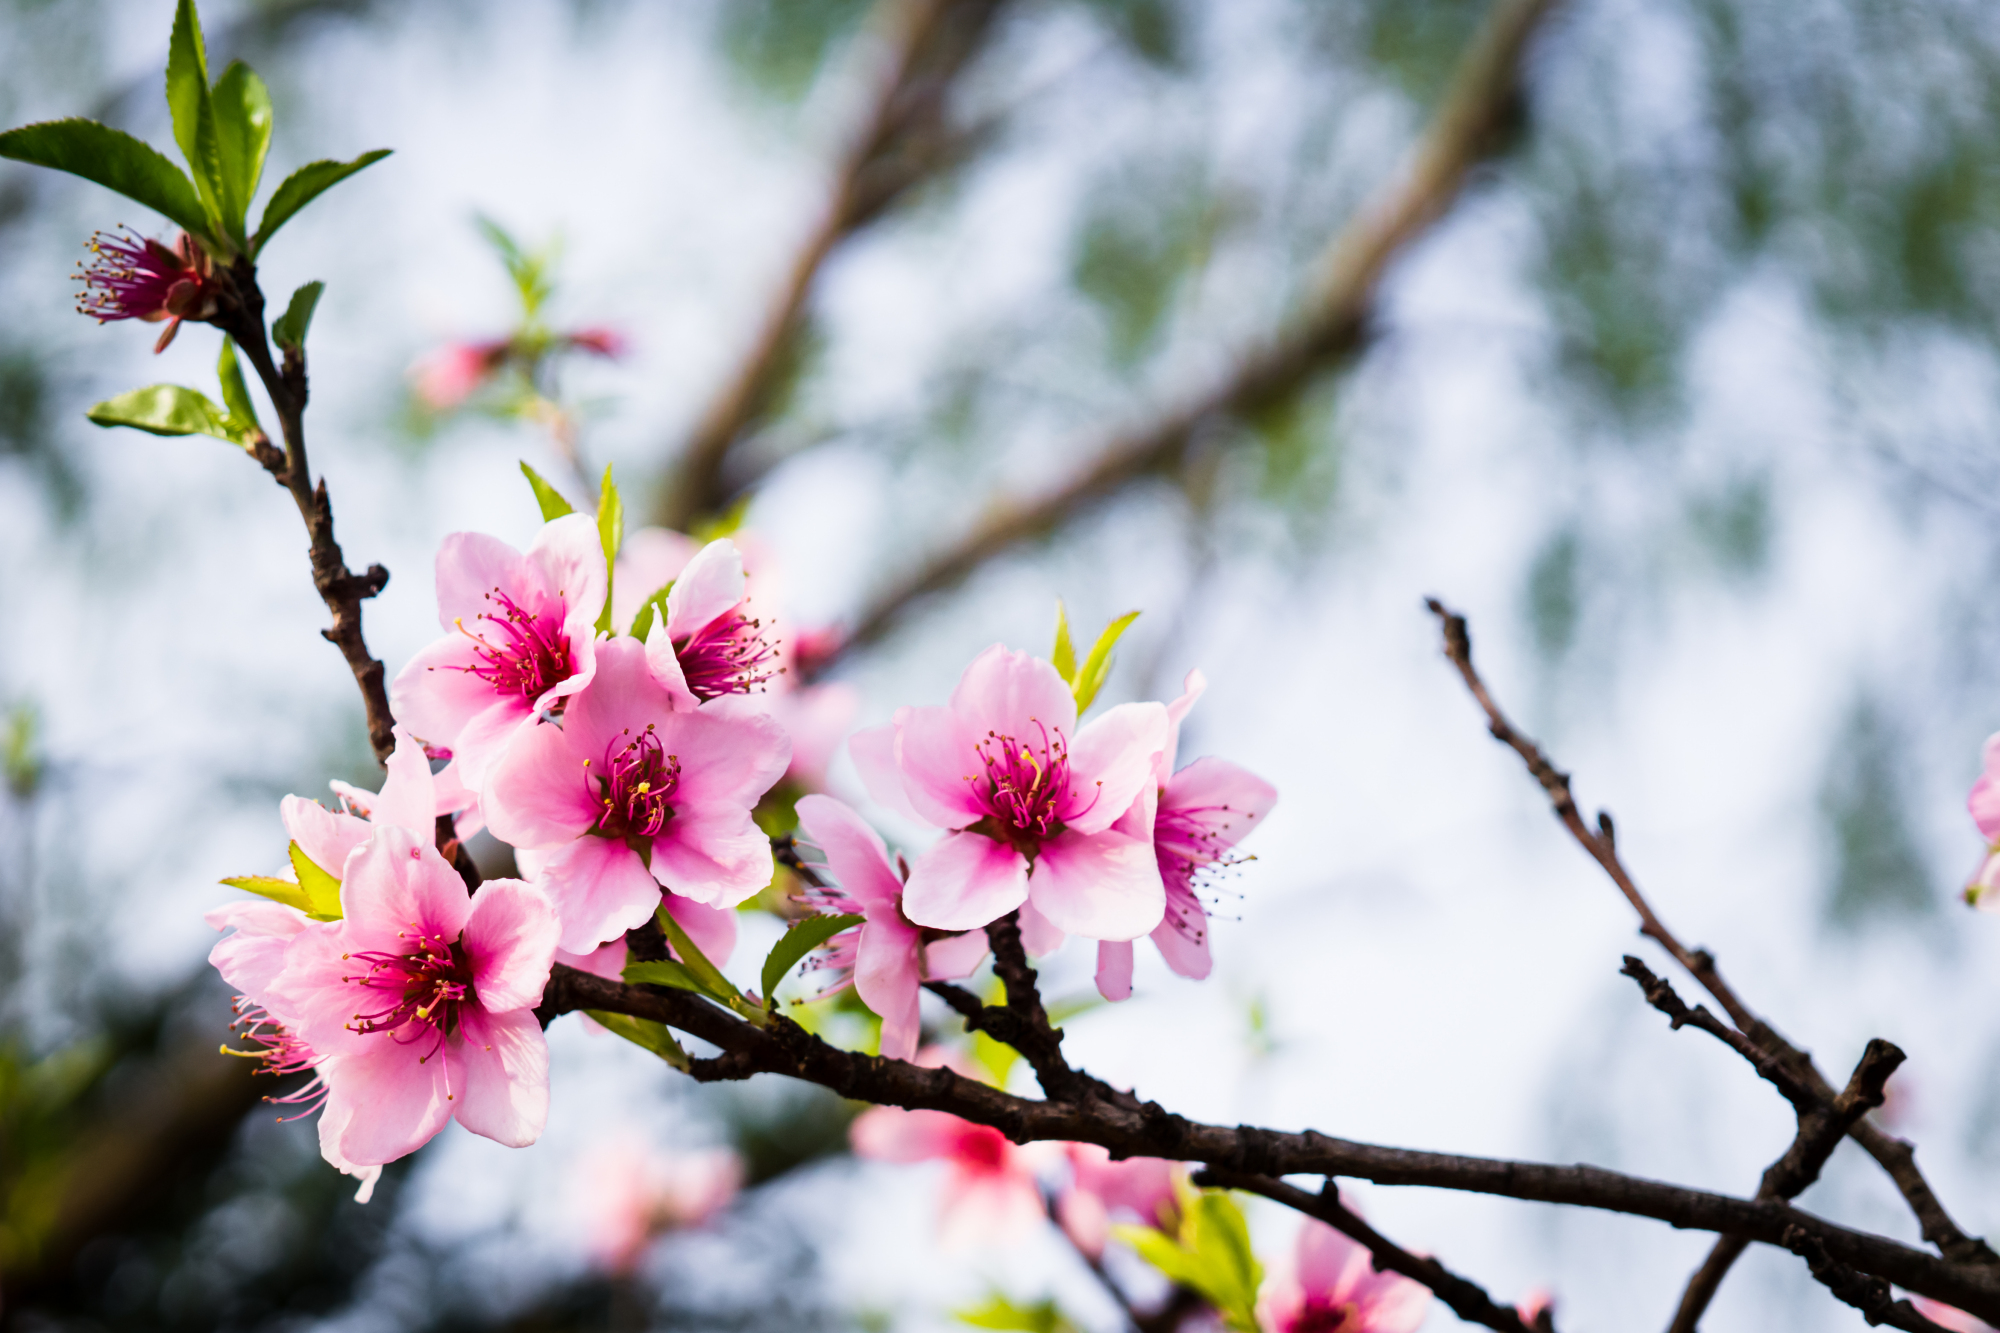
(547, 496)
(654, 607)
(115, 160)
(168, 409)
(301, 188)
(1063, 655)
(322, 890)
(243, 134)
(999, 1312)
(277, 890)
(708, 978)
(192, 105)
(235, 393)
(289, 329)
(796, 943)
(611, 532)
(645, 1033)
(1210, 1253)
(1096, 668)
(665, 972)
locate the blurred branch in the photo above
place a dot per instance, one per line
(1896, 1156)
(1469, 126)
(1466, 1299)
(1121, 1123)
(904, 139)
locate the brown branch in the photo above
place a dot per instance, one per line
(904, 138)
(1469, 126)
(1870, 1295)
(1128, 1127)
(1031, 1033)
(1466, 1299)
(341, 589)
(1896, 1156)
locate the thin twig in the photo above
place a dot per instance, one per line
(1870, 1295)
(1128, 1127)
(904, 138)
(1466, 1299)
(1469, 126)
(1896, 1156)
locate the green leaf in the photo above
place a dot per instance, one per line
(1096, 668)
(999, 1312)
(321, 888)
(610, 531)
(707, 977)
(289, 330)
(547, 496)
(1063, 655)
(1210, 1253)
(193, 109)
(654, 606)
(301, 188)
(665, 972)
(168, 409)
(113, 159)
(235, 393)
(796, 943)
(643, 1032)
(243, 134)
(277, 890)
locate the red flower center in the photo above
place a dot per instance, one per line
(420, 991)
(728, 655)
(1025, 784)
(522, 654)
(634, 787)
(1322, 1316)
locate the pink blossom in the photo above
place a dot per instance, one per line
(599, 340)
(444, 379)
(421, 999)
(635, 1195)
(628, 796)
(1537, 1303)
(886, 955)
(1028, 799)
(409, 798)
(520, 640)
(713, 929)
(1140, 1189)
(1984, 803)
(131, 277)
(991, 1194)
(1950, 1316)
(817, 718)
(249, 959)
(1202, 811)
(1331, 1283)
(710, 645)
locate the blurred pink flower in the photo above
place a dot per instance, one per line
(991, 1195)
(1984, 803)
(1029, 801)
(629, 795)
(1537, 1302)
(599, 340)
(421, 997)
(886, 955)
(1331, 1283)
(635, 1195)
(1951, 1317)
(445, 378)
(1140, 1189)
(520, 639)
(1203, 810)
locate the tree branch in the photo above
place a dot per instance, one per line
(1870, 1295)
(1128, 1127)
(903, 139)
(341, 589)
(1896, 1156)
(1465, 1299)
(1468, 127)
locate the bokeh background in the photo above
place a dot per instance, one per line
(1689, 400)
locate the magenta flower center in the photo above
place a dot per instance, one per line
(130, 277)
(980, 1149)
(420, 990)
(521, 654)
(1322, 1316)
(1026, 784)
(635, 786)
(728, 655)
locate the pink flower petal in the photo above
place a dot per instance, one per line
(500, 1076)
(385, 1100)
(954, 956)
(1192, 688)
(712, 929)
(539, 794)
(622, 697)
(711, 584)
(1182, 935)
(1039, 935)
(714, 854)
(891, 1134)
(1110, 762)
(1007, 692)
(469, 566)
(729, 751)
(650, 559)
(854, 852)
(396, 882)
(511, 939)
(251, 958)
(607, 960)
(965, 881)
(944, 778)
(888, 976)
(326, 838)
(1104, 887)
(1228, 801)
(1984, 802)
(666, 667)
(600, 889)
(408, 796)
(874, 755)
(1114, 969)
(569, 555)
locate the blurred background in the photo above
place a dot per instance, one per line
(1688, 397)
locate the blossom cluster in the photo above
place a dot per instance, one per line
(622, 719)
